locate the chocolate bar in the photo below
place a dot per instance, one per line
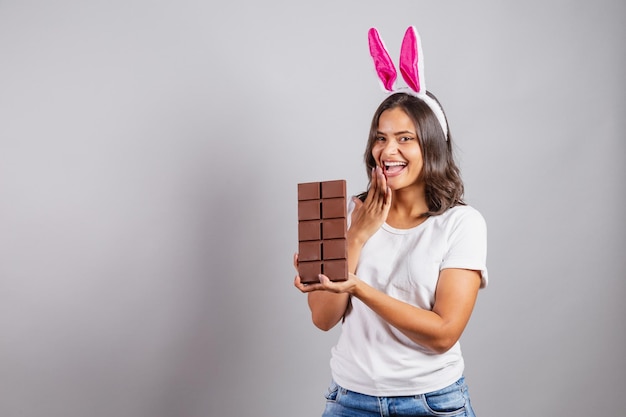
(322, 231)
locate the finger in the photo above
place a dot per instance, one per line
(324, 284)
(381, 186)
(307, 288)
(324, 280)
(372, 190)
(388, 195)
(358, 204)
(297, 282)
(295, 260)
(328, 285)
(373, 197)
(377, 187)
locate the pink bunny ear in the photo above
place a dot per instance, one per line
(411, 67)
(411, 61)
(384, 65)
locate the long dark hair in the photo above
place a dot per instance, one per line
(444, 187)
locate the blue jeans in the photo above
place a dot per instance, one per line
(447, 402)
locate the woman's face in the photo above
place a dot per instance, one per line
(397, 150)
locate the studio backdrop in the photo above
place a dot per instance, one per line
(149, 158)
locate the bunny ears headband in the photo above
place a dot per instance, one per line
(411, 68)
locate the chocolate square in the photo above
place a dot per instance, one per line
(310, 251)
(310, 230)
(309, 272)
(332, 189)
(309, 191)
(334, 229)
(337, 268)
(334, 249)
(309, 210)
(333, 208)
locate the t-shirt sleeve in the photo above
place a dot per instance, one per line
(467, 243)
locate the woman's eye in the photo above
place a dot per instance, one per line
(380, 139)
(405, 139)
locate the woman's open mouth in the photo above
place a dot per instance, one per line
(393, 168)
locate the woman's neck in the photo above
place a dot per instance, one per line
(407, 208)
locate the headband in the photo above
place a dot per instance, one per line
(411, 68)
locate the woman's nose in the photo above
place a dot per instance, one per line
(390, 147)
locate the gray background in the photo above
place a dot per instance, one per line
(149, 156)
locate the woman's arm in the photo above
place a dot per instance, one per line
(439, 329)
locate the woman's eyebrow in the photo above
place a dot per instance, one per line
(402, 132)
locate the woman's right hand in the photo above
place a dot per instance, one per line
(369, 215)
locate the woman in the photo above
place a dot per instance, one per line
(416, 260)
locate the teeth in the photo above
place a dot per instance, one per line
(395, 164)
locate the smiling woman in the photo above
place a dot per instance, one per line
(416, 260)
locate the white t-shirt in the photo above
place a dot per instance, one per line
(374, 358)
